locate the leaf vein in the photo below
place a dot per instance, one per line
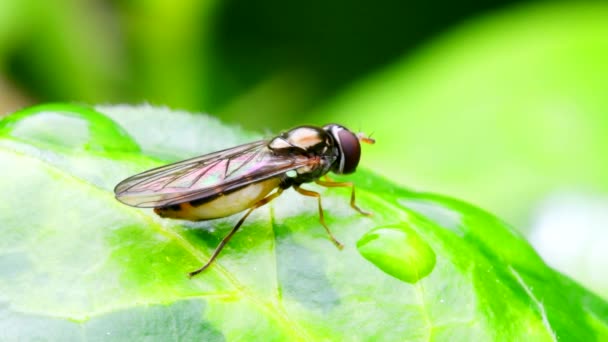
(539, 304)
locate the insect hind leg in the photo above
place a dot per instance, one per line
(321, 216)
(227, 238)
(332, 184)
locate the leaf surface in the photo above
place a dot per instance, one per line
(75, 264)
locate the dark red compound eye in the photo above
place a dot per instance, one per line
(351, 151)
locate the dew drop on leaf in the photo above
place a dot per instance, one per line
(398, 251)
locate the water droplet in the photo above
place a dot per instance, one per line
(398, 251)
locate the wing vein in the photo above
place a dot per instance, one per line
(181, 182)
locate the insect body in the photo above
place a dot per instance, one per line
(242, 178)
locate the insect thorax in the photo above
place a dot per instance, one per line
(307, 140)
(310, 142)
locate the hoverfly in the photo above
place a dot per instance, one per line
(242, 178)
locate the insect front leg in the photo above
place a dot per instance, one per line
(321, 216)
(227, 238)
(352, 194)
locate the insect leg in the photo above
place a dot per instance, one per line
(321, 217)
(327, 178)
(227, 238)
(352, 194)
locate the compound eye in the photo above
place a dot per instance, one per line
(351, 151)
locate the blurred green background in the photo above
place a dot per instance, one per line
(503, 104)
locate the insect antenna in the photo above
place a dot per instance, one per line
(366, 138)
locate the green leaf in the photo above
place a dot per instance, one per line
(75, 264)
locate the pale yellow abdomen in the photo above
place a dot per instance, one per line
(222, 206)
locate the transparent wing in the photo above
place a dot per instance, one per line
(205, 176)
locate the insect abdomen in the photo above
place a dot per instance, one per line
(222, 205)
